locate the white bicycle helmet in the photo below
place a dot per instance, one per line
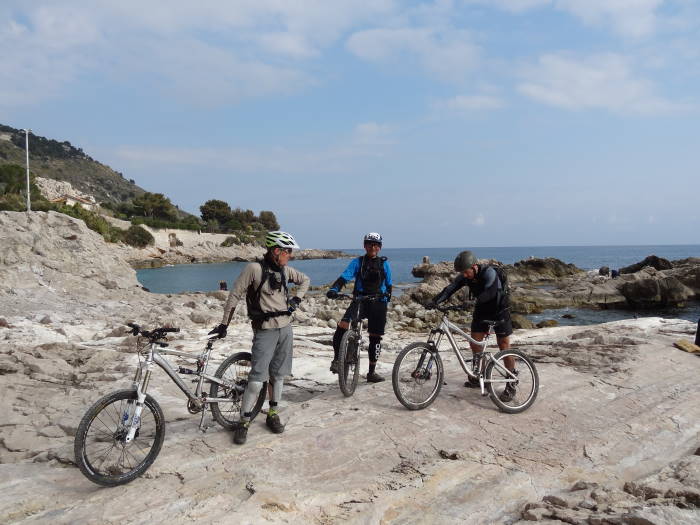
(373, 237)
(281, 239)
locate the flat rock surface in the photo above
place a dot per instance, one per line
(360, 459)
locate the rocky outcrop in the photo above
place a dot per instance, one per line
(536, 269)
(539, 284)
(54, 252)
(671, 496)
(655, 262)
(54, 189)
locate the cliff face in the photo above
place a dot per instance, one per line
(49, 251)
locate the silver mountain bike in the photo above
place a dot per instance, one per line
(418, 372)
(121, 435)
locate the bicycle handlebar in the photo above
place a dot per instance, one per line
(372, 297)
(452, 308)
(155, 334)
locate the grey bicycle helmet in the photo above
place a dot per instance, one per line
(464, 261)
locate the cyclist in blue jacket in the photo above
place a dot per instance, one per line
(372, 275)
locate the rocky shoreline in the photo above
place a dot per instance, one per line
(612, 437)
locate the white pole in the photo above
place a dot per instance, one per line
(26, 145)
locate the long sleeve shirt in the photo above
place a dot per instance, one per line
(484, 287)
(270, 300)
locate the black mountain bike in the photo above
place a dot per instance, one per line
(351, 345)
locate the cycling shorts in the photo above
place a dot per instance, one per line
(374, 312)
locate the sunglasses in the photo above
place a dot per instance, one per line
(287, 250)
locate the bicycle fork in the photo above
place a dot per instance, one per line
(141, 386)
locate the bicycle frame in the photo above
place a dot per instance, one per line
(154, 357)
(446, 328)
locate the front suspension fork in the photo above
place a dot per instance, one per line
(141, 389)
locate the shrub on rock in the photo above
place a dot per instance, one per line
(138, 237)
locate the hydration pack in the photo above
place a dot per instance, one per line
(372, 274)
(504, 294)
(278, 281)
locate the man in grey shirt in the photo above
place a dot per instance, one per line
(264, 285)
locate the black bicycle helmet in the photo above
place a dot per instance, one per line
(464, 261)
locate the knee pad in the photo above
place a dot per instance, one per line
(375, 347)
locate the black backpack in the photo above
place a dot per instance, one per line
(253, 299)
(504, 294)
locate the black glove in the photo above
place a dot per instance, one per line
(294, 303)
(430, 305)
(332, 294)
(220, 331)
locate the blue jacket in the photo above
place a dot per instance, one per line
(353, 271)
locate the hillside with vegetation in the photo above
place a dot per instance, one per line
(118, 197)
(52, 159)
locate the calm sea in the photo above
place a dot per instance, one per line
(206, 277)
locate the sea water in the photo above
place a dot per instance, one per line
(206, 277)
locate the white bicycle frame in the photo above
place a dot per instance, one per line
(143, 376)
(446, 328)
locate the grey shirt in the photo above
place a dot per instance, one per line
(270, 300)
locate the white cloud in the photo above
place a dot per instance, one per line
(513, 6)
(447, 53)
(604, 81)
(630, 18)
(367, 140)
(184, 48)
(469, 103)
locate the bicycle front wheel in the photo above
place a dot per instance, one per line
(348, 363)
(417, 376)
(234, 373)
(512, 381)
(101, 452)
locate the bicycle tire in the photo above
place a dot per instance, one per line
(100, 431)
(348, 363)
(406, 373)
(527, 385)
(235, 368)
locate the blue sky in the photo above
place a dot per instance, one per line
(445, 123)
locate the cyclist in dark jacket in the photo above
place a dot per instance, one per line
(491, 303)
(372, 275)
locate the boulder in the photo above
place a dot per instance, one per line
(604, 270)
(547, 323)
(652, 260)
(520, 321)
(652, 290)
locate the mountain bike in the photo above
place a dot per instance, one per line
(418, 371)
(351, 345)
(120, 436)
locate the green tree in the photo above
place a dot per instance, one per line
(155, 205)
(269, 221)
(216, 210)
(13, 189)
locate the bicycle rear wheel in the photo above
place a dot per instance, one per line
(417, 376)
(100, 451)
(348, 363)
(234, 372)
(512, 391)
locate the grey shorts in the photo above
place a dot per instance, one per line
(272, 353)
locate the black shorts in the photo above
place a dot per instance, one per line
(504, 327)
(374, 312)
